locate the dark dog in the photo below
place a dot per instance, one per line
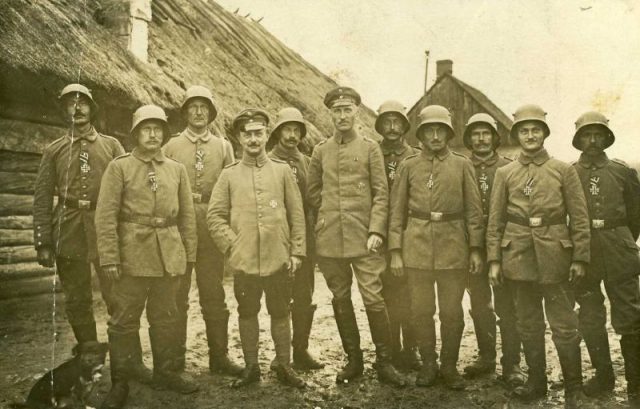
(73, 380)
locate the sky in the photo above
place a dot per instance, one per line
(567, 56)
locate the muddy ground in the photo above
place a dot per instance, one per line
(26, 347)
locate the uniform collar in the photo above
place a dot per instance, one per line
(90, 136)
(255, 161)
(397, 148)
(490, 161)
(589, 161)
(193, 137)
(286, 154)
(441, 155)
(538, 158)
(158, 157)
(345, 138)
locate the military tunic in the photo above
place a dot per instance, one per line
(72, 168)
(612, 190)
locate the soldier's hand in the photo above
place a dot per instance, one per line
(495, 273)
(396, 265)
(189, 269)
(45, 257)
(112, 271)
(374, 242)
(577, 270)
(294, 264)
(475, 261)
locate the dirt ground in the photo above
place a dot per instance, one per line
(26, 348)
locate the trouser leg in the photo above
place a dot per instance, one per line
(75, 276)
(509, 336)
(484, 319)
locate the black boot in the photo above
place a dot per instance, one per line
(571, 364)
(218, 340)
(301, 319)
(410, 353)
(450, 351)
(630, 345)
(597, 343)
(138, 371)
(250, 374)
(381, 335)
(85, 332)
(180, 361)
(350, 336)
(536, 385)
(166, 350)
(429, 372)
(485, 330)
(120, 349)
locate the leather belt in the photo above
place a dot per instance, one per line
(201, 197)
(150, 221)
(436, 216)
(536, 221)
(79, 204)
(604, 224)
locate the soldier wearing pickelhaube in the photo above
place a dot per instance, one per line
(204, 154)
(147, 228)
(256, 218)
(72, 167)
(392, 123)
(613, 197)
(347, 191)
(435, 236)
(482, 139)
(283, 143)
(538, 255)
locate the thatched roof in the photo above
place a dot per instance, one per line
(46, 44)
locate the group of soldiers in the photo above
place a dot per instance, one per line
(404, 221)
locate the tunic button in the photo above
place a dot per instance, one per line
(39, 243)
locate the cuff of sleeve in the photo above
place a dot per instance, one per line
(477, 241)
(395, 242)
(379, 232)
(493, 255)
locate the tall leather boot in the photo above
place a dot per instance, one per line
(85, 332)
(181, 340)
(166, 350)
(451, 338)
(630, 345)
(485, 329)
(411, 354)
(249, 337)
(395, 327)
(302, 319)
(281, 334)
(120, 350)
(510, 341)
(597, 343)
(425, 334)
(536, 385)
(218, 340)
(571, 364)
(350, 336)
(381, 335)
(138, 370)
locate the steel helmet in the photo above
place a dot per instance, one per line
(593, 118)
(79, 89)
(388, 107)
(529, 112)
(147, 112)
(284, 116)
(198, 91)
(435, 114)
(481, 118)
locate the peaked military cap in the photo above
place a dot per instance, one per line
(250, 119)
(341, 96)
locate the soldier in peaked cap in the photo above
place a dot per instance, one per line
(283, 143)
(73, 166)
(204, 154)
(613, 197)
(532, 249)
(256, 218)
(482, 139)
(147, 229)
(347, 191)
(435, 236)
(392, 123)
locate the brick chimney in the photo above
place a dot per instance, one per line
(444, 67)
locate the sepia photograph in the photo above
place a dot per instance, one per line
(319, 204)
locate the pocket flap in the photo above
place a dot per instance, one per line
(567, 244)
(505, 243)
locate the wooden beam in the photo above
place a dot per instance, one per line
(13, 237)
(28, 287)
(16, 222)
(19, 161)
(17, 254)
(12, 204)
(20, 271)
(17, 182)
(23, 136)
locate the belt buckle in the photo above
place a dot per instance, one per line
(197, 197)
(436, 216)
(597, 223)
(159, 221)
(84, 204)
(535, 221)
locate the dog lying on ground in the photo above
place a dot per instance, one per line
(73, 380)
